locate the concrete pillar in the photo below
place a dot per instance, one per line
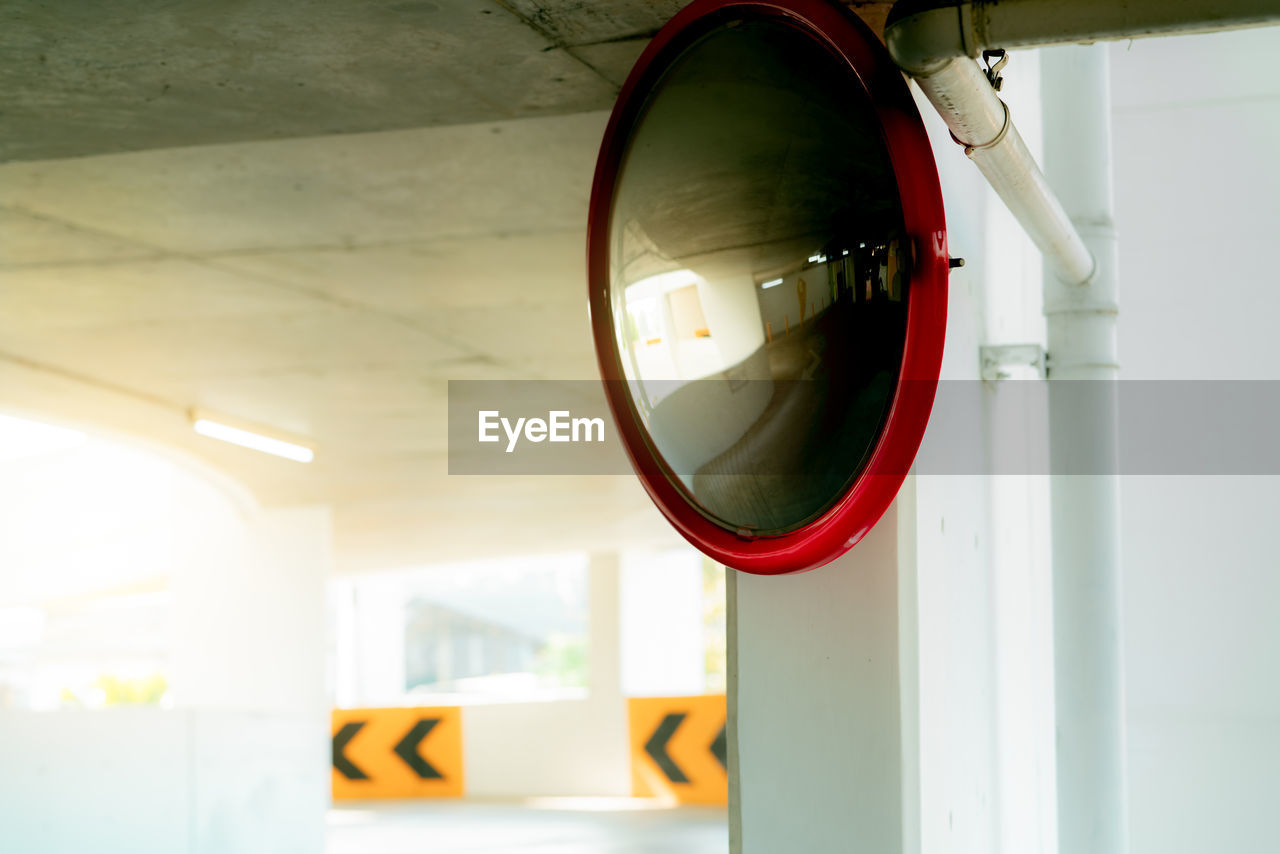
(248, 673)
(604, 641)
(816, 700)
(249, 611)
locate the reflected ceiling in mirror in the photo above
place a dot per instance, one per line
(758, 275)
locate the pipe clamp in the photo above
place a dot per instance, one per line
(970, 148)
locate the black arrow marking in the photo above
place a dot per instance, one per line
(341, 763)
(407, 750)
(656, 747)
(719, 748)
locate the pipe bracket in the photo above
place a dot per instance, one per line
(970, 148)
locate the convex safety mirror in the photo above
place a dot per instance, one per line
(767, 266)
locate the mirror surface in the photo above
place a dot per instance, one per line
(758, 274)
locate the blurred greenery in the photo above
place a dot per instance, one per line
(112, 690)
(562, 661)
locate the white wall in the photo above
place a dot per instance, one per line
(95, 516)
(1197, 127)
(146, 781)
(733, 314)
(955, 577)
(570, 747)
(976, 631)
(780, 304)
(815, 704)
(556, 748)
(662, 637)
(239, 764)
(952, 641)
(1197, 132)
(249, 609)
(1016, 542)
(562, 747)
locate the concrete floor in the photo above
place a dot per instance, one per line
(540, 826)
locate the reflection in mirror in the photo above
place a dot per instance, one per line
(759, 274)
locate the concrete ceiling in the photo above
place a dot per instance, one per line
(329, 287)
(82, 78)
(312, 215)
(79, 77)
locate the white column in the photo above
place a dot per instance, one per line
(564, 747)
(249, 611)
(378, 638)
(605, 642)
(248, 673)
(815, 702)
(1081, 320)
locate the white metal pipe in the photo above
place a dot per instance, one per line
(1076, 234)
(1081, 321)
(934, 43)
(1075, 90)
(979, 120)
(921, 35)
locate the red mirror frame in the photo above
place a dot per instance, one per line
(863, 503)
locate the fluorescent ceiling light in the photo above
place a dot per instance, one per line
(772, 283)
(817, 259)
(255, 441)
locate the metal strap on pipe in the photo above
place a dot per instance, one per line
(933, 40)
(980, 121)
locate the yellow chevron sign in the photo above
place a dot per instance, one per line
(679, 748)
(397, 753)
